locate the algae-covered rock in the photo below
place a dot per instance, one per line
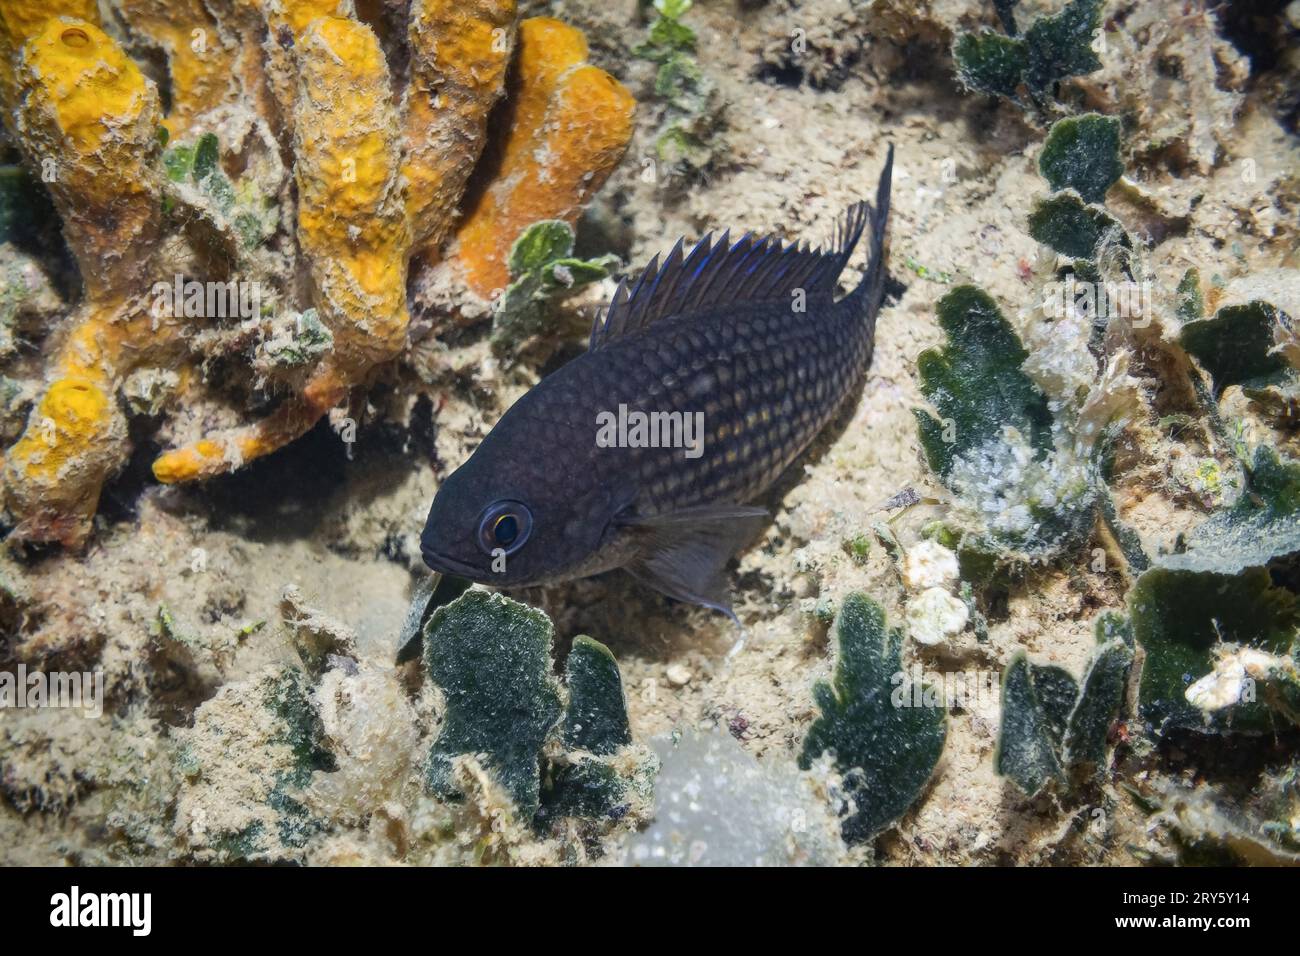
(1071, 227)
(300, 729)
(1187, 621)
(1036, 703)
(1101, 695)
(976, 383)
(251, 809)
(1082, 153)
(109, 782)
(596, 718)
(491, 658)
(29, 300)
(1263, 524)
(885, 748)
(1236, 345)
(716, 805)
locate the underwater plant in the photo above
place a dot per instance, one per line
(491, 659)
(692, 106)
(1219, 635)
(886, 750)
(1029, 65)
(995, 442)
(1052, 724)
(542, 268)
(1023, 440)
(1082, 153)
(1216, 635)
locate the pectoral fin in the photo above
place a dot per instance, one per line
(684, 554)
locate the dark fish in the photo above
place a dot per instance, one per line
(717, 331)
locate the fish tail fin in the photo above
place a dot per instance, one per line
(867, 296)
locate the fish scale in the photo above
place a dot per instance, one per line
(770, 383)
(714, 331)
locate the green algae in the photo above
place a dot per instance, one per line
(1069, 226)
(1262, 525)
(1060, 46)
(1053, 725)
(1036, 704)
(596, 718)
(310, 340)
(990, 62)
(976, 382)
(1180, 618)
(431, 592)
(1235, 346)
(542, 267)
(491, 659)
(885, 751)
(1101, 697)
(1052, 49)
(1082, 153)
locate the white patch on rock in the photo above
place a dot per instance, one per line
(1227, 683)
(930, 565)
(935, 615)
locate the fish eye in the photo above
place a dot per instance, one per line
(504, 525)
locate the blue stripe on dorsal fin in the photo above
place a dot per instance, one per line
(720, 272)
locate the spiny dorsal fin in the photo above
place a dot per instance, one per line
(720, 272)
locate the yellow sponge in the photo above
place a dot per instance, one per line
(570, 126)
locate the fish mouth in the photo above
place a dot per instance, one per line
(445, 565)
